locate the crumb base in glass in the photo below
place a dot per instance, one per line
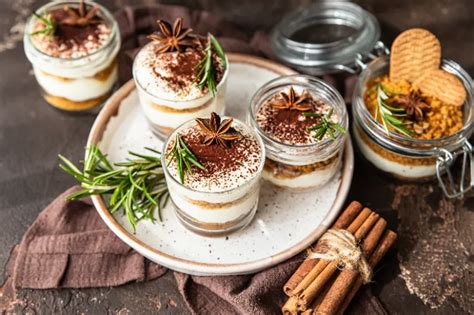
(301, 178)
(72, 106)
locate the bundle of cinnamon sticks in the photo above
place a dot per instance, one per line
(318, 286)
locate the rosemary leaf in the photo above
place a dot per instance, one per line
(206, 68)
(137, 186)
(326, 125)
(387, 114)
(49, 26)
(184, 158)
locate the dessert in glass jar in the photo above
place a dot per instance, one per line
(302, 122)
(179, 76)
(213, 168)
(412, 121)
(73, 47)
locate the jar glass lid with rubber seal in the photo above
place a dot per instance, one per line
(327, 37)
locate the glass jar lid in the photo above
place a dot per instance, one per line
(326, 37)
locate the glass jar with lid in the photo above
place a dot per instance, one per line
(407, 157)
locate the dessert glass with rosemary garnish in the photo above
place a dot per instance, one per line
(73, 47)
(179, 76)
(406, 133)
(213, 170)
(303, 123)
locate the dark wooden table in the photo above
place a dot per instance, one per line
(430, 272)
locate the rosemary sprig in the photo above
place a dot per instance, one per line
(185, 159)
(49, 26)
(136, 186)
(326, 125)
(389, 115)
(206, 68)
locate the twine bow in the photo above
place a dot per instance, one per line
(342, 247)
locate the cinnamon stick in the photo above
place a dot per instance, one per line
(315, 304)
(309, 294)
(344, 282)
(384, 245)
(344, 220)
(321, 264)
(290, 307)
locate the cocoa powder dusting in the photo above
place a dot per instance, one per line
(289, 125)
(71, 41)
(435, 259)
(178, 69)
(224, 167)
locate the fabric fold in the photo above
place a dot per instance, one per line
(70, 246)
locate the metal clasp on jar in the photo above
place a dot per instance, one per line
(444, 163)
(361, 61)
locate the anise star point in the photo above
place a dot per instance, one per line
(292, 101)
(172, 38)
(217, 131)
(81, 16)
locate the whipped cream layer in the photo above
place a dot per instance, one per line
(77, 90)
(392, 167)
(167, 89)
(313, 179)
(169, 76)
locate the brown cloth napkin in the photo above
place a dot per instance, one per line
(69, 246)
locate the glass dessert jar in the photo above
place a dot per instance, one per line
(298, 158)
(168, 90)
(221, 196)
(74, 64)
(407, 157)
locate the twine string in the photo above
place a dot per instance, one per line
(341, 247)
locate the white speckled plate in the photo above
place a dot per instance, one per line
(285, 223)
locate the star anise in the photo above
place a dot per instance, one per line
(217, 131)
(172, 38)
(81, 16)
(414, 104)
(292, 101)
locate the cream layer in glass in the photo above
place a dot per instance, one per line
(397, 165)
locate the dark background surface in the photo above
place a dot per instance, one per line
(32, 134)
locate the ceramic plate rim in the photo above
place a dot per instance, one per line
(111, 109)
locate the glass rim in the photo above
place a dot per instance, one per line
(342, 120)
(107, 15)
(241, 123)
(448, 64)
(137, 81)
